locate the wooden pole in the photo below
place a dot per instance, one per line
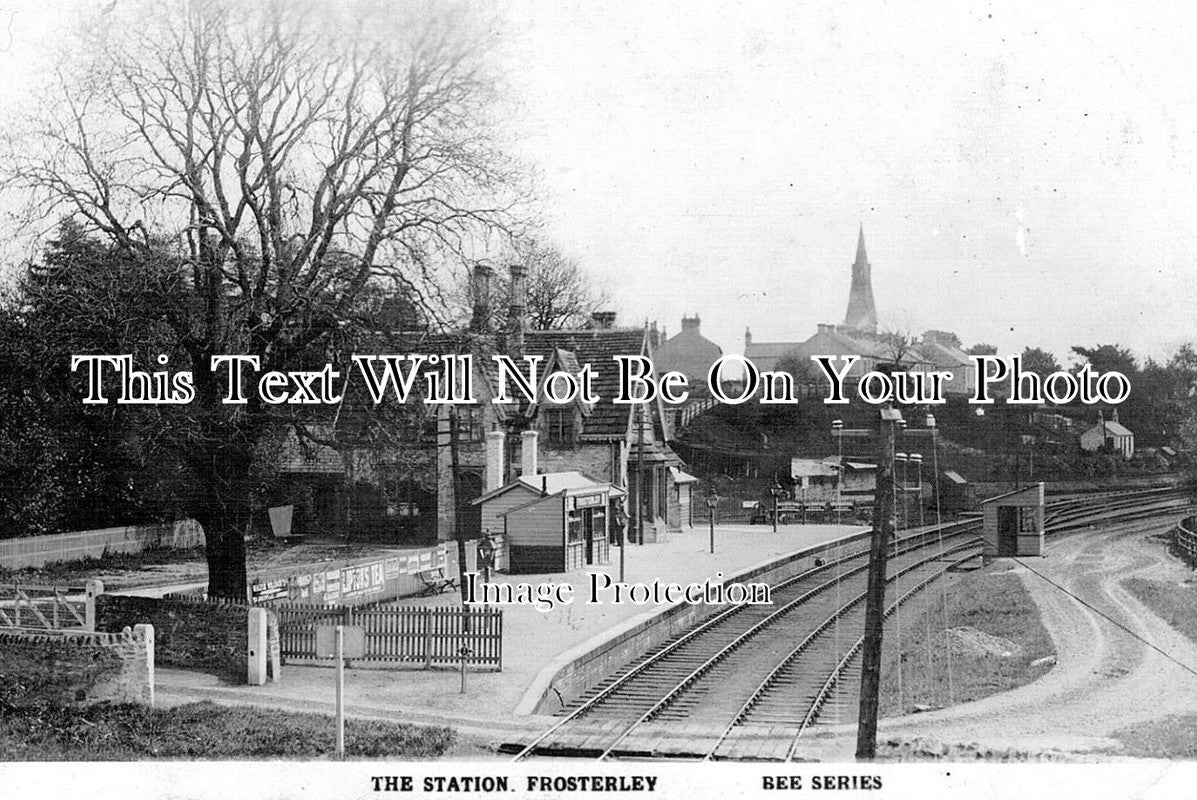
(458, 528)
(640, 473)
(341, 691)
(883, 531)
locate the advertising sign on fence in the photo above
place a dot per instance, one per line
(364, 582)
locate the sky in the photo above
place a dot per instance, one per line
(1024, 172)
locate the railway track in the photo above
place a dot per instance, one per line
(747, 682)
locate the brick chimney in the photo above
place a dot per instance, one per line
(496, 451)
(747, 338)
(517, 321)
(480, 297)
(528, 453)
(691, 323)
(603, 320)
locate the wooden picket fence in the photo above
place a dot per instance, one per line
(49, 607)
(416, 635)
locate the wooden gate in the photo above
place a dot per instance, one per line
(416, 635)
(35, 606)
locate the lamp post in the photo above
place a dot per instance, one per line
(621, 520)
(712, 503)
(776, 491)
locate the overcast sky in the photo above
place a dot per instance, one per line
(1025, 174)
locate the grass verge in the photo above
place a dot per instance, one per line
(202, 730)
(995, 635)
(1172, 737)
(1173, 602)
(78, 571)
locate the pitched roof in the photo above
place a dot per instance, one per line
(596, 347)
(690, 353)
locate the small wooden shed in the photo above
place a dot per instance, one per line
(1013, 523)
(552, 522)
(955, 493)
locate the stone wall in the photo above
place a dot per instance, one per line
(207, 637)
(66, 668)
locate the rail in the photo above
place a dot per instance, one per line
(914, 542)
(644, 695)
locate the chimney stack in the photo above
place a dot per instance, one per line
(691, 323)
(518, 315)
(528, 453)
(747, 338)
(496, 448)
(480, 297)
(603, 320)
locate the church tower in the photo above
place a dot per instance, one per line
(862, 313)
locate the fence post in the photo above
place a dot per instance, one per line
(94, 589)
(427, 637)
(256, 651)
(145, 633)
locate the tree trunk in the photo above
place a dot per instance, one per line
(224, 534)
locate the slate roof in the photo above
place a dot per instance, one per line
(596, 347)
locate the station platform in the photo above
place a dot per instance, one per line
(498, 702)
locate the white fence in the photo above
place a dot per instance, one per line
(35, 551)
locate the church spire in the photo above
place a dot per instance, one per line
(862, 313)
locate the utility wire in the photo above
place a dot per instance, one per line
(1108, 618)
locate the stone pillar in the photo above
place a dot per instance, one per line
(145, 633)
(256, 654)
(94, 588)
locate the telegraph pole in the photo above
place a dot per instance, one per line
(883, 531)
(640, 474)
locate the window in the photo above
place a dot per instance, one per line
(469, 425)
(560, 424)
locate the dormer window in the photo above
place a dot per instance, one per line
(560, 424)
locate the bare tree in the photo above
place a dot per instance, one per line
(289, 156)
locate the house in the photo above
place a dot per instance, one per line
(1110, 435)
(859, 478)
(610, 441)
(941, 354)
(813, 480)
(689, 353)
(418, 486)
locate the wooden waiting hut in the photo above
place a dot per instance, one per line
(1013, 523)
(552, 522)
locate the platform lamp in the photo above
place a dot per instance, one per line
(775, 490)
(712, 504)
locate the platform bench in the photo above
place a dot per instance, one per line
(435, 581)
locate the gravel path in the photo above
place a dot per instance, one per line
(1105, 679)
